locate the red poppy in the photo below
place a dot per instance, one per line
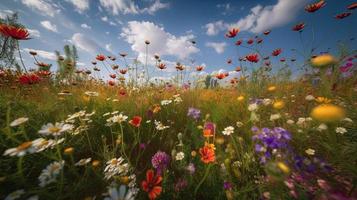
(232, 33)
(239, 42)
(161, 66)
(152, 184)
(199, 68)
(16, 33)
(315, 6)
(29, 79)
(229, 61)
(220, 76)
(123, 71)
(114, 67)
(299, 27)
(122, 92)
(238, 69)
(135, 121)
(276, 52)
(266, 32)
(226, 74)
(252, 57)
(111, 82)
(259, 40)
(343, 15)
(250, 41)
(100, 57)
(113, 76)
(352, 6)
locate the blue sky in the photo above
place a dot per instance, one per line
(113, 26)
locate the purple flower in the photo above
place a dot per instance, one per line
(211, 126)
(227, 185)
(194, 113)
(191, 168)
(160, 161)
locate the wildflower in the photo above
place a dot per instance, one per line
(322, 127)
(252, 58)
(310, 151)
(228, 130)
(341, 130)
(239, 42)
(160, 160)
(29, 79)
(191, 168)
(121, 193)
(322, 100)
(180, 156)
(207, 154)
(309, 98)
(274, 117)
(290, 121)
(352, 6)
(114, 167)
(42, 144)
(152, 184)
(348, 120)
(16, 33)
(91, 94)
(232, 33)
(323, 61)
(21, 150)
(239, 124)
(166, 102)
(283, 167)
(315, 6)
(267, 102)
(266, 32)
(83, 161)
(299, 27)
(219, 140)
(19, 121)
(136, 121)
(276, 52)
(328, 113)
(68, 150)
(95, 163)
(100, 57)
(209, 129)
(55, 130)
(271, 88)
(117, 119)
(343, 15)
(15, 195)
(199, 68)
(50, 173)
(253, 107)
(194, 113)
(240, 98)
(278, 104)
(160, 126)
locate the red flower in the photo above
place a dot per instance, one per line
(343, 15)
(136, 121)
(252, 58)
(266, 32)
(123, 71)
(276, 52)
(239, 42)
(232, 33)
(250, 41)
(113, 76)
(29, 79)
(122, 92)
(161, 66)
(199, 68)
(315, 6)
(16, 33)
(220, 76)
(352, 6)
(100, 57)
(111, 82)
(299, 27)
(152, 184)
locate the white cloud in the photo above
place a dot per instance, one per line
(262, 18)
(116, 7)
(108, 47)
(226, 8)
(43, 7)
(86, 26)
(217, 46)
(214, 28)
(49, 26)
(43, 54)
(5, 13)
(104, 19)
(34, 33)
(85, 43)
(161, 42)
(81, 5)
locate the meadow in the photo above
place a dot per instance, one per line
(264, 135)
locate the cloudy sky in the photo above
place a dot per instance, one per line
(113, 26)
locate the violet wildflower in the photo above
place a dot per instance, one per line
(191, 168)
(194, 113)
(227, 185)
(160, 161)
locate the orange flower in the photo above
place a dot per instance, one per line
(315, 6)
(207, 133)
(16, 33)
(207, 154)
(152, 184)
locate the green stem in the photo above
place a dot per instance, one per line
(203, 179)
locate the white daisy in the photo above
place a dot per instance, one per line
(55, 130)
(115, 166)
(160, 126)
(341, 130)
(21, 150)
(15, 195)
(50, 173)
(83, 161)
(239, 124)
(19, 121)
(274, 117)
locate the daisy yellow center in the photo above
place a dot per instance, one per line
(24, 146)
(114, 162)
(54, 129)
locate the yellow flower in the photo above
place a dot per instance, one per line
(279, 104)
(328, 113)
(322, 100)
(68, 150)
(240, 98)
(271, 88)
(95, 163)
(283, 167)
(323, 60)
